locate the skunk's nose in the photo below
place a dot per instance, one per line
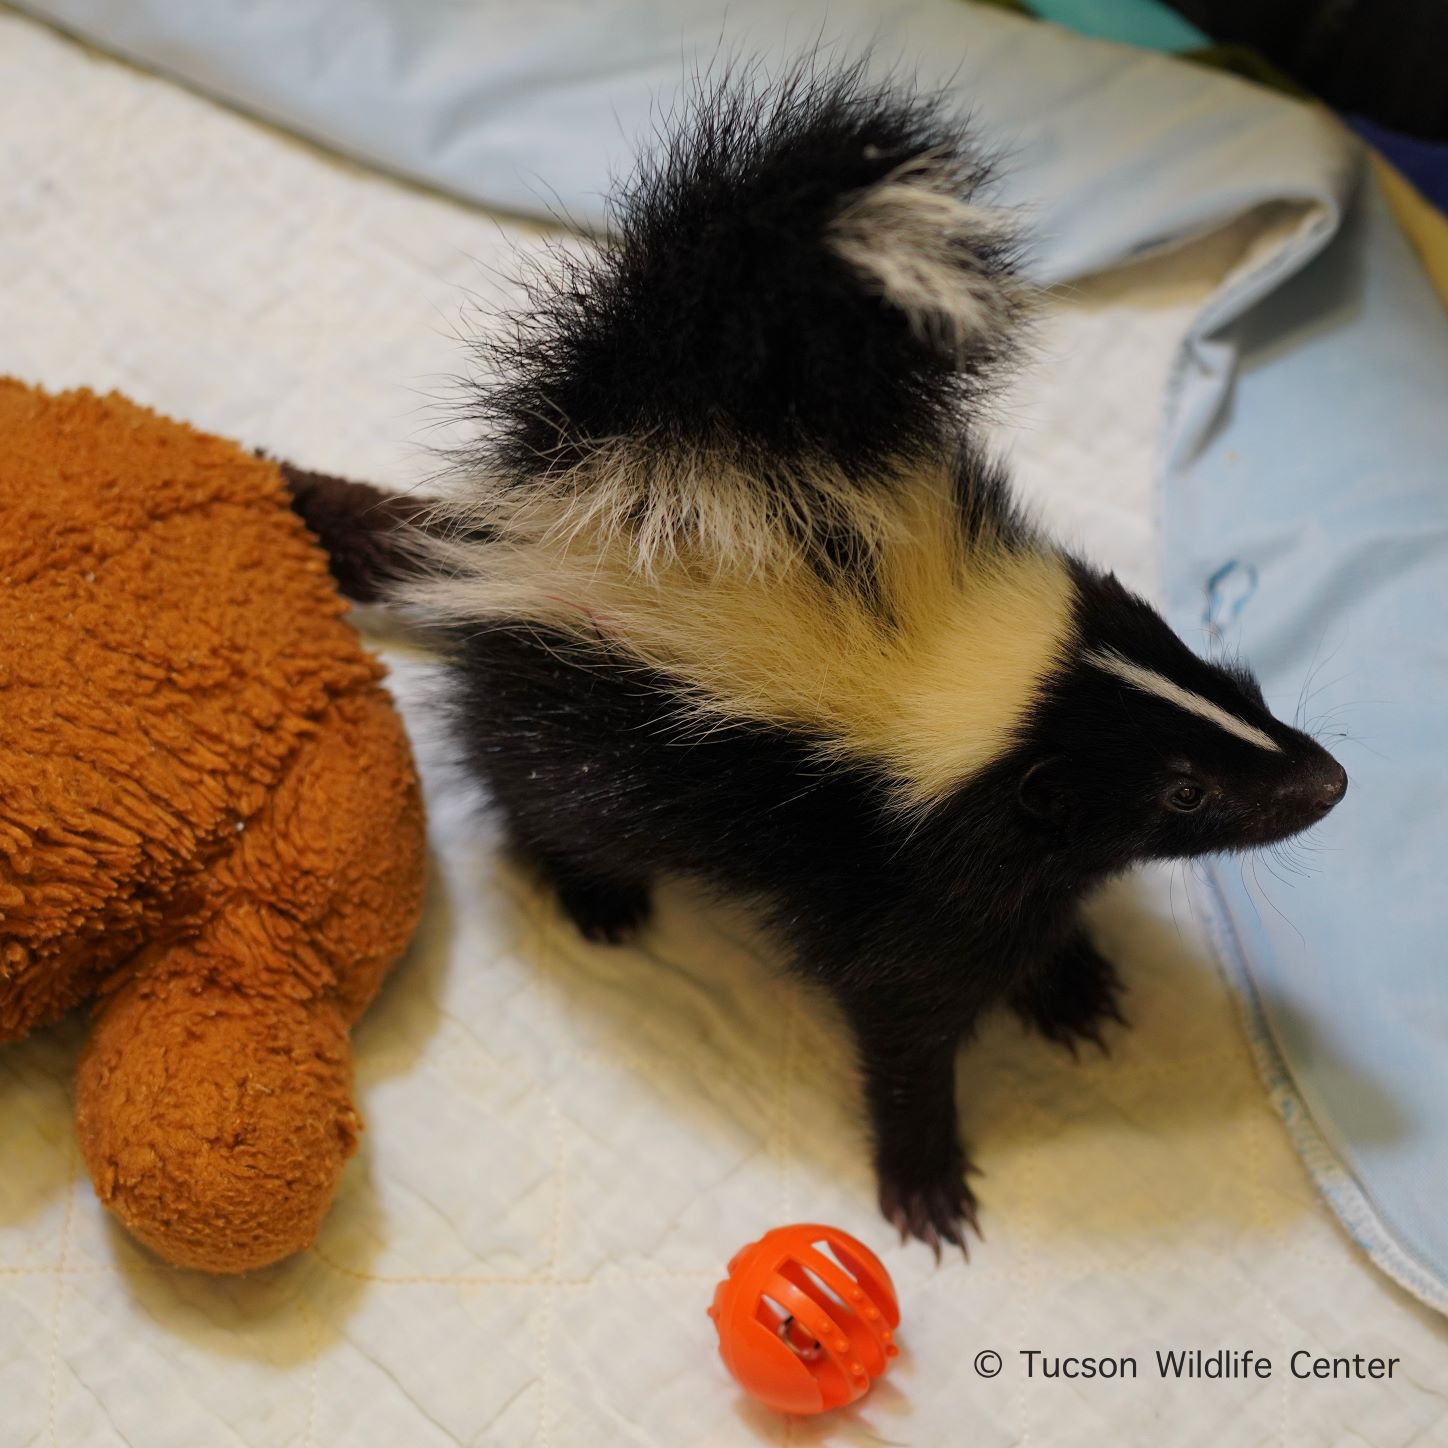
(1319, 792)
(1333, 787)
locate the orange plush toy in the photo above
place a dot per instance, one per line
(209, 820)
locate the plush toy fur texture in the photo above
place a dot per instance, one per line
(733, 591)
(210, 823)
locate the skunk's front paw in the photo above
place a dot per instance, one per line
(1074, 999)
(936, 1209)
(609, 914)
(606, 910)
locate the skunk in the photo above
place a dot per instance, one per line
(732, 591)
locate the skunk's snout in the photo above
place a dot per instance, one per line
(1316, 791)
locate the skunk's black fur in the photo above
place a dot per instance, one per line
(728, 333)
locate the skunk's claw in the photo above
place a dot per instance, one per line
(937, 1212)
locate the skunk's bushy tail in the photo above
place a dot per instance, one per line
(800, 272)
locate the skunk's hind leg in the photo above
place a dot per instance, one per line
(610, 910)
(1073, 997)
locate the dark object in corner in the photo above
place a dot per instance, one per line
(1386, 60)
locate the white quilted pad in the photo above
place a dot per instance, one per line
(566, 1143)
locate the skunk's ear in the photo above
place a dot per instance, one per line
(1042, 791)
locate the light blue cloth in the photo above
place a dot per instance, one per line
(1305, 454)
(532, 107)
(1320, 508)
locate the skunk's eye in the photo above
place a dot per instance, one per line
(1186, 797)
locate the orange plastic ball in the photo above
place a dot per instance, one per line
(806, 1319)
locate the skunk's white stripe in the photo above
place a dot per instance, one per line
(932, 676)
(1153, 683)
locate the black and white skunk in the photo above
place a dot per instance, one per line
(733, 592)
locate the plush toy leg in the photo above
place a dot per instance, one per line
(214, 1101)
(215, 1121)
